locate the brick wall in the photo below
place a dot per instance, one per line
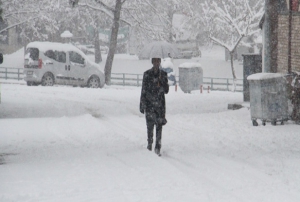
(283, 28)
(296, 43)
(283, 33)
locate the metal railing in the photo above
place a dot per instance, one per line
(11, 73)
(127, 79)
(222, 84)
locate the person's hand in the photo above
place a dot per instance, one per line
(142, 110)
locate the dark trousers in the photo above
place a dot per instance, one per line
(151, 120)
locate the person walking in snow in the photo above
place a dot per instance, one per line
(152, 102)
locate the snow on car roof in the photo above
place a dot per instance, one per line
(190, 65)
(46, 45)
(262, 76)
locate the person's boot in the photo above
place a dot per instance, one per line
(157, 148)
(149, 147)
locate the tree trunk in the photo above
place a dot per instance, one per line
(170, 25)
(113, 42)
(98, 57)
(233, 72)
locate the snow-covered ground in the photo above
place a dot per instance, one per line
(76, 144)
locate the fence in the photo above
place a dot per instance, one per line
(11, 73)
(126, 79)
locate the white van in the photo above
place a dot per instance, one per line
(48, 63)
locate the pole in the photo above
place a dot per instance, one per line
(290, 37)
(271, 36)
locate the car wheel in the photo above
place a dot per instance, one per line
(48, 80)
(93, 82)
(29, 83)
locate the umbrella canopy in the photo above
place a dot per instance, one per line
(159, 49)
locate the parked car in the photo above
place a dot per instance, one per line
(90, 49)
(1, 58)
(48, 63)
(187, 54)
(197, 53)
(86, 49)
(104, 49)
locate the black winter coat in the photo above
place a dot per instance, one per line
(154, 88)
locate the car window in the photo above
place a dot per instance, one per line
(50, 54)
(33, 53)
(76, 58)
(59, 56)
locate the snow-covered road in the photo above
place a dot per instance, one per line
(77, 144)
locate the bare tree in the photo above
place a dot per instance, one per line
(113, 40)
(1, 19)
(228, 22)
(154, 18)
(115, 14)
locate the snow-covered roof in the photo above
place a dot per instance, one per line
(262, 76)
(45, 46)
(190, 65)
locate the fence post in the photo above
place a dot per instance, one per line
(212, 83)
(123, 79)
(18, 74)
(5, 73)
(138, 80)
(201, 89)
(227, 84)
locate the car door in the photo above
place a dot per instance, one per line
(77, 68)
(56, 62)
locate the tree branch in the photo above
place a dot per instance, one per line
(16, 24)
(19, 12)
(107, 12)
(105, 6)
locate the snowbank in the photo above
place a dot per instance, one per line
(262, 76)
(190, 65)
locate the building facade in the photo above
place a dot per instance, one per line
(288, 36)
